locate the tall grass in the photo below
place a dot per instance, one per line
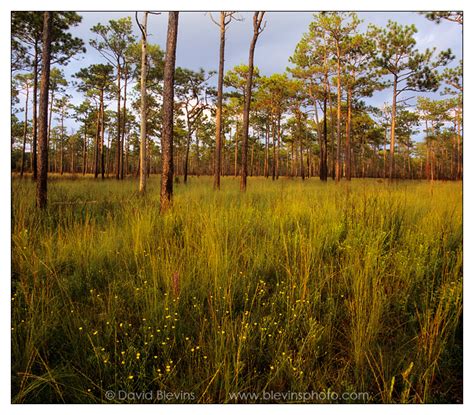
(293, 286)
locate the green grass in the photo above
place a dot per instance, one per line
(290, 287)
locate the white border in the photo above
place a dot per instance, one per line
(361, 5)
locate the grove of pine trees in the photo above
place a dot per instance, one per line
(311, 120)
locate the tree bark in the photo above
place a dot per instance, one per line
(42, 182)
(338, 149)
(61, 149)
(323, 152)
(257, 22)
(84, 151)
(274, 151)
(168, 101)
(236, 148)
(278, 146)
(97, 143)
(220, 81)
(348, 134)
(25, 132)
(34, 164)
(118, 156)
(186, 156)
(143, 106)
(391, 167)
(266, 162)
(102, 135)
(123, 167)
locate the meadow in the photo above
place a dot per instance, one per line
(292, 286)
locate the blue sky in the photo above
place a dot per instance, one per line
(198, 40)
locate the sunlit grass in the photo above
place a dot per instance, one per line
(291, 286)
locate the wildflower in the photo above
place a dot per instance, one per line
(271, 368)
(130, 376)
(95, 332)
(80, 328)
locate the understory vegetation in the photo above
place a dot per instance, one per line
(293, 285)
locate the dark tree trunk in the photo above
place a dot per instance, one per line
(218, 161)
(168, 98)
(348, 134)
(391, 167)
(124, 124)
(257, 22)
(143, 107)
(61, 148)
(266, 161)
(84, 151)
(236, 148)
(34, 164)
(323, 151)
(42, 182)
(102, 135)
(186, 157)
(25, 132)
(119, 125)
(97, 143)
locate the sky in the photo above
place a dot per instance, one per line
(198, 40)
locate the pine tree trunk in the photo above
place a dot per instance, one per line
(323, 159)
(34, 152)
(274, 151)
(25, 132)
(348, 134)
(42, 182)
(84, 151)
(143, 107)
(61, 148)
(168, 101)
(119, 124)
(97, 143)
(124, 124)
(257, 20)
(391, 168)
(218, 161)
(338, 149)
(102, 135)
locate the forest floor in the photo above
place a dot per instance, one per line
(292, 292)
